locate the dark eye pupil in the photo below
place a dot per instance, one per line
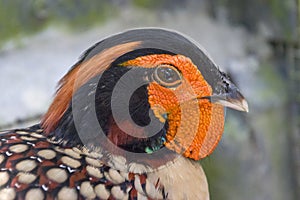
(167, 74)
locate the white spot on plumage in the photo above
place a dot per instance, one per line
(124, 174)
(47, 154)
(87, 190)
(7, 194)
(18, 148)
(4, 177)
(93, 171)
(45, 188)
(71, 162)
(118, 162)
(34, 194)
(26, 165)
(1, 158)
(118, 193)
(72, 153)
(94, 162)
(58, 175)
(28, 138)
(67, 193)
(26, 178)
(37, 135)
(115, 176)
(153, 192)
(102, 192)
(8, 153)
(138, 186)
(22, 132)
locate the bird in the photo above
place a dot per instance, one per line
(129, 120)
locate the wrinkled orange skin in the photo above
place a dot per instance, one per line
(195, 125)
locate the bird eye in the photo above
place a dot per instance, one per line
(167, 76)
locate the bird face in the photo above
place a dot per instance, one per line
(178, 93)
(172, 95)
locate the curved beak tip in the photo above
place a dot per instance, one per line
(243, 105)
(236, 104)
(235, 101)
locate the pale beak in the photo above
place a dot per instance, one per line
(231, 99)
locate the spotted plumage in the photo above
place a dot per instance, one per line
(34, 167)
(129, 121)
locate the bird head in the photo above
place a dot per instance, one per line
(142, 91)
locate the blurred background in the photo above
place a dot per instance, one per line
(256, 41)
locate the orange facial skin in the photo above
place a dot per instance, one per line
(195, 124)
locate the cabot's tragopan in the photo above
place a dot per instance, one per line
(128, 121)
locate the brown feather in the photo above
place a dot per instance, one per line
(79, 75)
